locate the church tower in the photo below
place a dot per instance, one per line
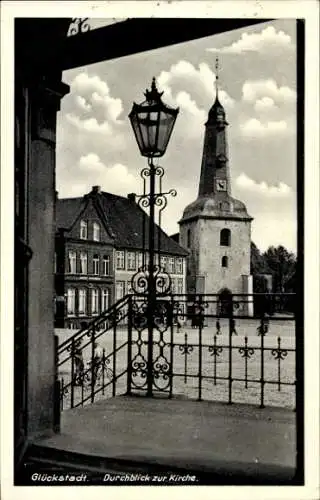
(216, 228)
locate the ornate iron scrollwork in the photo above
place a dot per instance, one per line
(246, 352)
(139, 315)
(78, 25)
(140, 280)
(215, 350)
(279, 353)
(161, 373)
(139, 369)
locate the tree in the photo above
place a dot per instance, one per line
(282, 265)
(257, 262)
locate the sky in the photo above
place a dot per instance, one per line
(257, 80)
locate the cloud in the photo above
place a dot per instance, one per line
(264, 104)
(262, 188)
(90, 125)
(184, 101)
(269, 42)
(82, 103)
(92, 95)
(91, 162)
(194, 103)
(255, 129)
(260, 89)
(91, 170)
(84, 84)
(199, 81)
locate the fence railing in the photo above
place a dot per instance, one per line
(232, 349)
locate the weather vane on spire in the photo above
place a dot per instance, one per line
(217, 76)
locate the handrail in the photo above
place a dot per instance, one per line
(100, 319)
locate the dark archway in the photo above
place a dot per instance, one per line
(225, 305)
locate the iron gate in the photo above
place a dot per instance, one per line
(246, 356)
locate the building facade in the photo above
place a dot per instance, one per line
(99, 247)
(216, 228)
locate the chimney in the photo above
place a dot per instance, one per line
(132, 197)
(96, 189)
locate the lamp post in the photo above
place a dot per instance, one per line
(152, 122)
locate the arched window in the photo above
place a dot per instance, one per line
(189, 238)
(225, 237)
(224, 261)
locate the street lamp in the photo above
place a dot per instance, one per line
(152, 122)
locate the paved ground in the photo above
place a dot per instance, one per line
(181, 433)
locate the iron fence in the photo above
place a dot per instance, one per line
(241, 350)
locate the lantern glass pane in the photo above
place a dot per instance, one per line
(147, 127)
(165, 129)
(152, 131)
(137, 132)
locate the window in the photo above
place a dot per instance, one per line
(82, 301)
(104, 300)
(72, 262)
(179, 265)
(225, 237)
(83, 230)
(83, 263)
(224, 261)
(71, 301)
(106, 265)
(140, 259)
(131, 261)
(179, 285)
(146, 258)
(189, 238)
(120, 289)
(173, 286)
(95, 301)
(171, 265)
(96, 265)
(163, 262)
(120, 259)
(55, 262)
(129, 287)
(96, 231)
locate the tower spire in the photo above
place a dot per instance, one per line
(217, 76)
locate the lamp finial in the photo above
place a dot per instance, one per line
(153, 94)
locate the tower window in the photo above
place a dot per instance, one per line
(224, 261)
(225, 237)
(189, 238)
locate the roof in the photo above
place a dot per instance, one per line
(67, 210)
(215, 110)
(123, 219)
(220, 205)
